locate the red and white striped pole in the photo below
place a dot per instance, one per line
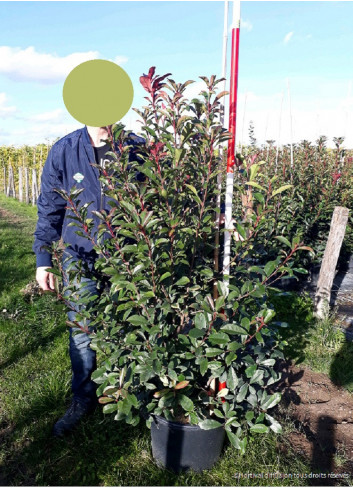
(233, 96)
(231, 143)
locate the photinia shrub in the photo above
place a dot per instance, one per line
(164, 341)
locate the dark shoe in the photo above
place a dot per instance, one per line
(73, 415)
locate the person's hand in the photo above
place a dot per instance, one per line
(45, 279)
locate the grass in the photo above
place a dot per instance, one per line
(35, 391)
(319, 345)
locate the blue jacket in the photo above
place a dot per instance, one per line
(69, 156)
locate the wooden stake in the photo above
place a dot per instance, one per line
(8, 182)
(34, 187)
(13, 189)
(40, 178)
(11, 184)
(27, 185)
(329, 262)
(4, 179)
(20, 184)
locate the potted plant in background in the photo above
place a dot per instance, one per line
(164, 342)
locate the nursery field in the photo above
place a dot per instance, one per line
(282, 205)
(35, 390)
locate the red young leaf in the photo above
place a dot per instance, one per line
(151, 71)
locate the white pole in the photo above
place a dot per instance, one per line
(222, 148)
(224, 54)
(290, 125)
(224, 74)
(317, 133)
(347, 108)
(242, 129)
(266, 127)
(279, 130)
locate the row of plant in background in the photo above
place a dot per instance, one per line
(20, 171)
(321, 179)
(30, 156)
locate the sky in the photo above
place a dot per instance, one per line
(296, 54)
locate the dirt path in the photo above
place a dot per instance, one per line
(323, 416)
(9, 216)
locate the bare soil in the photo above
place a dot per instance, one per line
(9, 216)
(322, 413)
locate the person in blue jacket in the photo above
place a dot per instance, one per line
(68, 165)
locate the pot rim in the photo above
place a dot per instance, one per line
(179, 426)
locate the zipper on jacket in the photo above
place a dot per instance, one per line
(100, 184)
(101, 187)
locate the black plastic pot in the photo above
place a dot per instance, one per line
(180, 447)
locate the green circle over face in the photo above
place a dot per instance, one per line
(98, 93)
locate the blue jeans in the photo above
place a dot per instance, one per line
(83, 358)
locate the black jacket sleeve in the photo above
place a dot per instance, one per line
(51, 210)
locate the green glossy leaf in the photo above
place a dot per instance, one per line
(275, 425)
(281, 189)
(192, 188)
(200, 321)
(219, 303)
(213, 352)
(245, 322)
(256, 185)
(269, 268)
(259, 428)
(209, 424)
(164, 276)
(230, 358)
(196, 333)
(284, 240)
(257, 377)
(233, 329)
(234, 346)
(137, 320)
(232, 379)
(203, 366)
(219, 338)
(186, 403)
(242, 392)
(182, 281)
(253, 171)
(233, 439)
(271, 401)
(241, 230)
(110, 408)
(300, 270)
(249, 415)
(269, 314)
(250, 370)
